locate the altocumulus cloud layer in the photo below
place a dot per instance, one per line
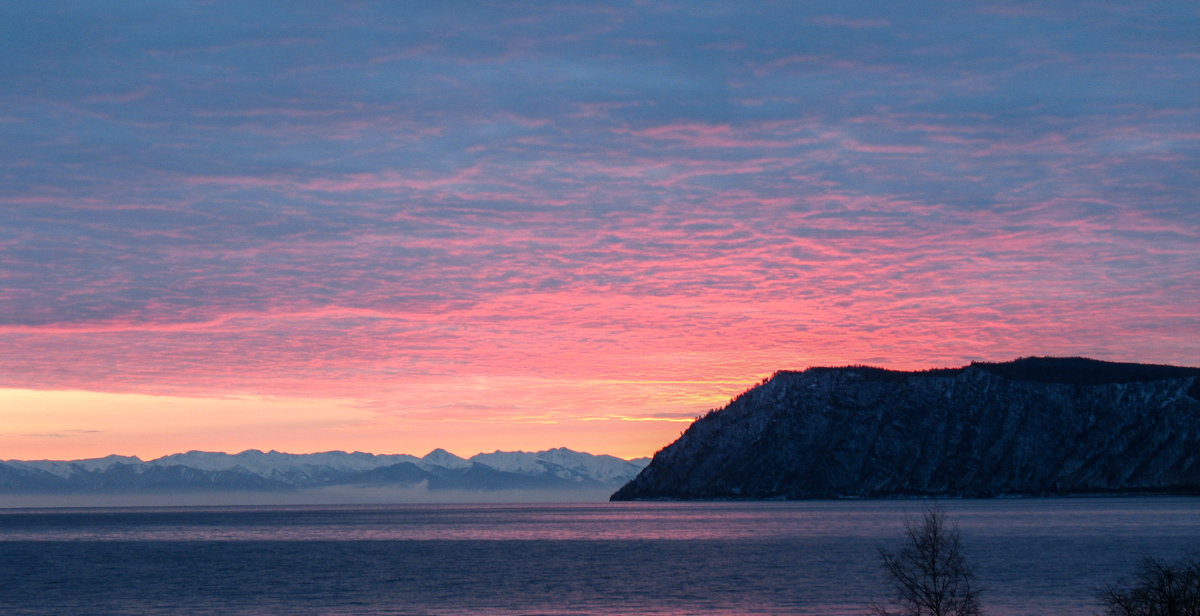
(547, 209)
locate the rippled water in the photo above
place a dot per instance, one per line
(1037, 556)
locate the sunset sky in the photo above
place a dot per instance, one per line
(394, 226)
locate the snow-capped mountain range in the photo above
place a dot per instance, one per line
(554, 469)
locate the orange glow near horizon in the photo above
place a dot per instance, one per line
(67, 425)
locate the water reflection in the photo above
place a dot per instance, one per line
(1038, 556)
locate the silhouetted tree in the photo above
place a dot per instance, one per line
(929, 574)
(1159, 589)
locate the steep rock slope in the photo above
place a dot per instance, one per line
(1032, 426)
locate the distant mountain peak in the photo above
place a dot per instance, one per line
(441, 457)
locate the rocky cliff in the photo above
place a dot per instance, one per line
(1035, 426)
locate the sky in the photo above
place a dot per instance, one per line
(395, 226)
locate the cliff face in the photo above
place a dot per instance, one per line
(1034, 426)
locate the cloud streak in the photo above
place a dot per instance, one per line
(579, 211)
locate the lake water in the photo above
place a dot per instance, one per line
(1036, 556)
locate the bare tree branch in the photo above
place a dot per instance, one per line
(1158, 589)
(928, 573)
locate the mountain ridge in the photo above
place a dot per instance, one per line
(253, 469)
(1032, 426)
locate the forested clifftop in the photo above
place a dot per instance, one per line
(1035, 426)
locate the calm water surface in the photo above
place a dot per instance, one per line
(1037, 556)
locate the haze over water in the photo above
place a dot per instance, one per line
(1036, 556)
